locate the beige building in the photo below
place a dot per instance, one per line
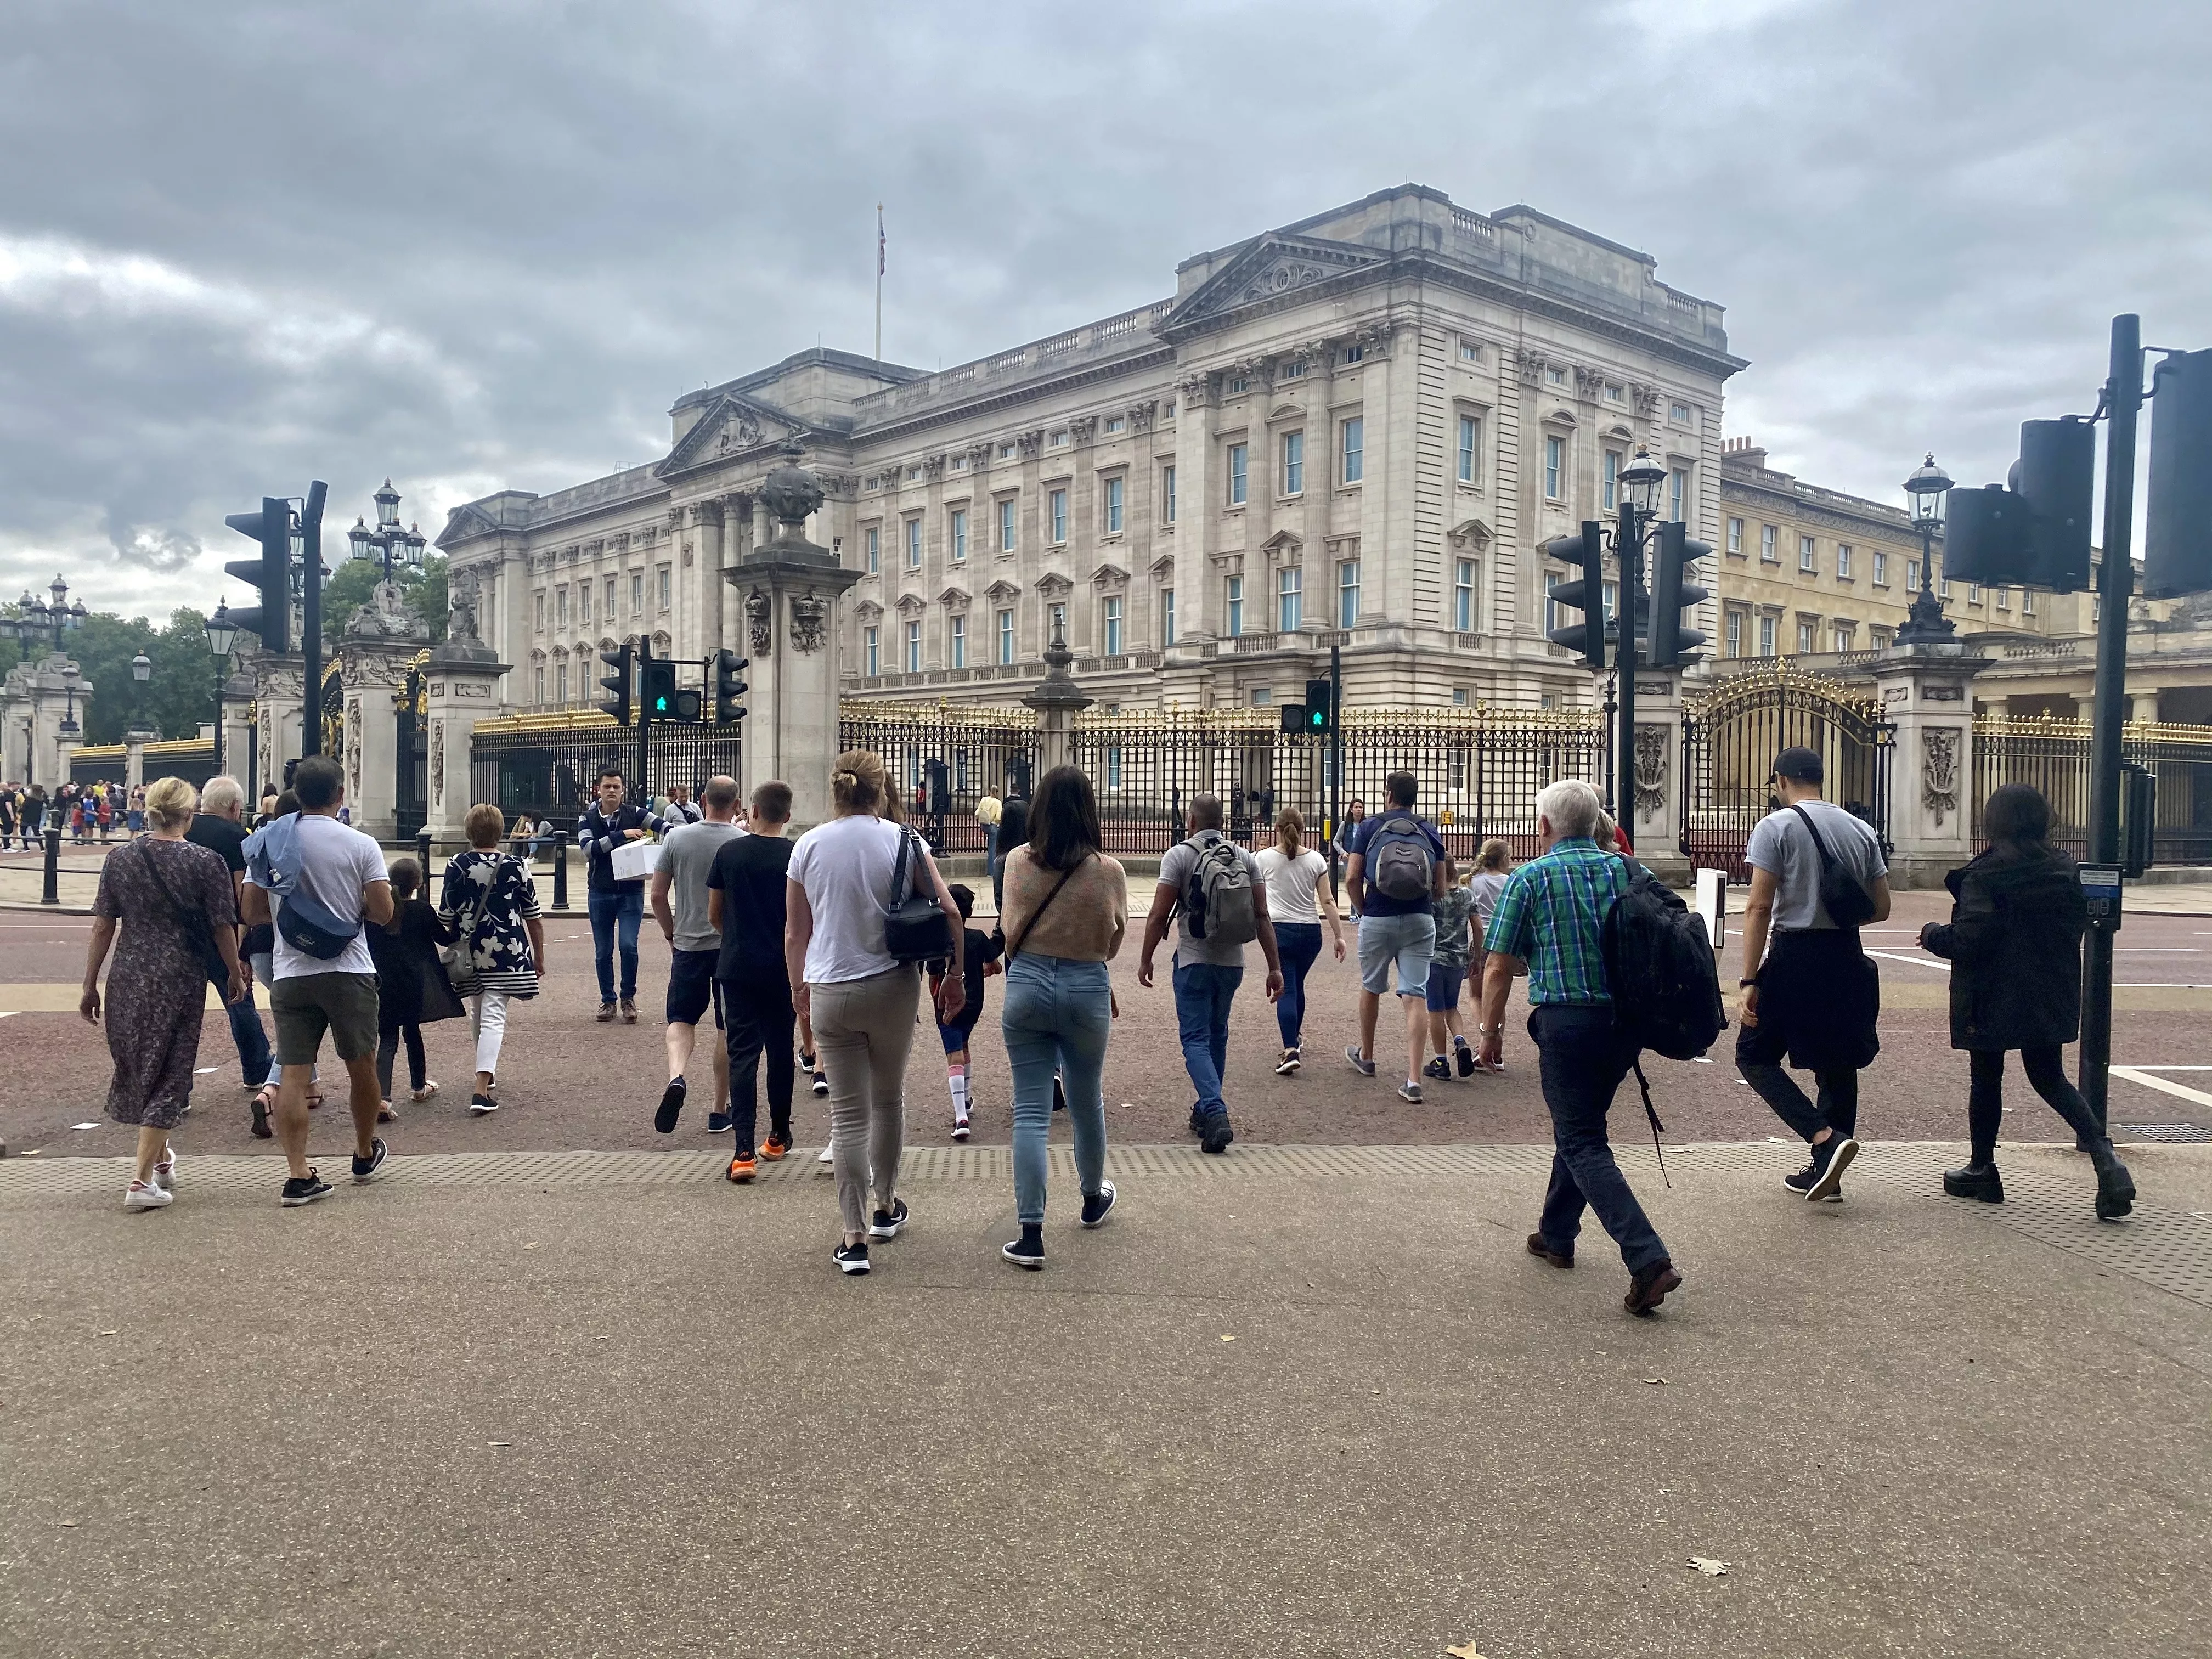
(1355, 431)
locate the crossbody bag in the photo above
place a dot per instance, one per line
(192, 923)
(1843, 895)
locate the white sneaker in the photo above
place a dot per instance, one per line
(827, 1155)
(144, 1195)
(960, 1126)
(164, 1173)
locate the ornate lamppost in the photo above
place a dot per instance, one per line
(1930, 487)
(387, 541)
(221, 634)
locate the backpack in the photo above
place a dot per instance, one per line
(1659, 966)
(1217, 897)
(1843, 896)
(1400, 861)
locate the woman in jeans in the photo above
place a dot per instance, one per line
(1298, 898)
(861, 998)
(491, 906)
(2014, 944)
(1067, 905)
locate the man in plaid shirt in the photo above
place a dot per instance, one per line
(1547, 925)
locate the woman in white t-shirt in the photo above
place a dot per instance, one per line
(861, 1000)
(1298, 896)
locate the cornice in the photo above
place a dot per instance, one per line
(1796, 506)
(1014, 396)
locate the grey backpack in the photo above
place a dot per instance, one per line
(1400, 862)
(1218, 896)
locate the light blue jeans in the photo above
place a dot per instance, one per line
(1056, 1018)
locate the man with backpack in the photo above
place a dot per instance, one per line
(1213, 888)
(1551, 924)
(1395, 875)
(1810, 996)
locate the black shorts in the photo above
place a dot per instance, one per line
(1819, 1000)
(691, 987)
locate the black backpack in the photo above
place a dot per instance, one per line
(1659, 966)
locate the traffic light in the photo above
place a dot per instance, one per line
(1987, 534)
(1295, 717)
(2056, 476)
(1321, 711)
(1672, 644)
(1586, 593)
(618, 681)
(2177, 501)
(270, 573)
(729, 687)
(659, 690)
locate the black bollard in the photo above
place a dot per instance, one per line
(53, 893)
(560, 869)
(422, 854)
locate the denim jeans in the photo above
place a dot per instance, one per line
(1056, 1019)
(254, 1060)
(1203, 993)
(1298, 944)
(621, 909)
(1581, 1063)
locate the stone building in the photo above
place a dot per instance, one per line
(1353, 431)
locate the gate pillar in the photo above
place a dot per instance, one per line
(371, 671)
(1926, 695)
(461, 687)
(1656, 817)
(1058, 700)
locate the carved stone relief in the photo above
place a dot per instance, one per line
(809, 624)
(1651, 768)
(757, 621)
(438, 763)
(1939, 771)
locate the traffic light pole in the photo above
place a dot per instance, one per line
(644, 719)
(1335, 756)
(1628, 546)
(311, 619)
(2115, 586)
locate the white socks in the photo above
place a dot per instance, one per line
(955, 1079)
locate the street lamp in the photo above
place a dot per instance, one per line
(1929, 486)
(1641, 479)
(388, 541)
(222, 633)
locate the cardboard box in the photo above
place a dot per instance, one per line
(635, 859)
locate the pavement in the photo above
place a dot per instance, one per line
(1300, 1402)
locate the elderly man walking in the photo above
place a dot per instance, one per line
(1547, 924)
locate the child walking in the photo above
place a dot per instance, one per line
(1448, 976)
(1491, 866)
(979, 957)
(411, 987)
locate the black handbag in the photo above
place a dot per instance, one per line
(193, 923)
(915, 928)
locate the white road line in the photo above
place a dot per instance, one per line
(2157, 951)
(2170, 1068)
(2137, 1075)
(1913, 962)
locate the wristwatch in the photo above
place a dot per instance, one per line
(1745, 984)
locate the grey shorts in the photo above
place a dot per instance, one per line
(344, 1005)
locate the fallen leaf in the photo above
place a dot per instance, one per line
(532, 1245)
(1227, 1339)
(1708, 1566)
(69, 1523)
(1466, 1652)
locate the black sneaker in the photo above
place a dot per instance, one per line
(365, 1169)
(1214, 1134)
(888, 1224)
(1812, 1180)
(670, 1107)
(1097, 1206)
(304, 1189)
(1028, 1250)
(851, 1258)
(821, 1082)
(718, 1123)
(1438, 1068)
(1464, 1053)
(1288, 1063)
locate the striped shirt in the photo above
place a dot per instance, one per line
(1549, 916)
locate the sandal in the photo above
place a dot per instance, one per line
(313, 1101)
(423, 1093)
(384, 1114)
(264, 1104)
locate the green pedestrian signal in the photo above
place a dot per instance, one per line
(660, 690)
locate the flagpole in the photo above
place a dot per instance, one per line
(879, 281)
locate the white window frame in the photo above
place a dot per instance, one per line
(957, 639)
(1808, 555)
(1167, 617)
(1880, 575)
(1168, 493)
(914, 646)
(1469, 466)
(1844, 563)
(957, 526)
(1735, 537)
(1110, 624)
(1768, 641)
(913, 543)
(1351, 448)
(1678, 495)
(1239, 474)
(1232, 606)
(1116, 488)
(1770, 543)
(1056, 505)
(1006, 634)
(1294, 463)
(1290, 598)
(872, 650)
(1467, 575)
(1555, 467)
(1347, 593)
(1732, 629)
(1008, 522)
(1608, 493)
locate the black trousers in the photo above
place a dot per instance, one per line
(758, 1019)
(2045, 1066)
(387, 1050)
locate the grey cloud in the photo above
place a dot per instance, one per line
(486, 245)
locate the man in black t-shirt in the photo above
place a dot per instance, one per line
(745, 901)
(215, 826)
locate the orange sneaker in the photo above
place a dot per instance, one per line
(773, 1150)
(743, 1169)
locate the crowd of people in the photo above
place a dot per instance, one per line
(85, 813)
(822, 951)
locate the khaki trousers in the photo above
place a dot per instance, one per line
(863, 1028)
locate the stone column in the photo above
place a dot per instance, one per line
(371, 668)
(1058, 700)
(1927, 696)
(134, 755)
(278, 705)
(236, 714)
(790, 591)
(462, 688)
(1657, 817)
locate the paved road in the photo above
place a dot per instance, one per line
(1269, 1410)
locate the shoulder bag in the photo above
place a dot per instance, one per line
(1843, 896)
(198, 933)
(460, 958)
(914, 925)
(1014, 946)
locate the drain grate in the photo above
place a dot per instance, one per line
(2178, 1133)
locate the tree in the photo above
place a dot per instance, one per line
(354, 583)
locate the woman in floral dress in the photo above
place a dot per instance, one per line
(491, 905)
(156, 992)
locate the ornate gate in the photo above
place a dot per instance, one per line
(1730, 739)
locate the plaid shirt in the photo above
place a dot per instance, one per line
(1549, 916)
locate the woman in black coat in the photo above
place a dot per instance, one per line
(2014, 944)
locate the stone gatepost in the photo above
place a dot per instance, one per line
(1058, 700)
(1656, 790)
(381, 639)
(278, 704)
(134, 756)
(460, 689)
(235, 712)
(1926, 694)
(45, 703)
(789, 591)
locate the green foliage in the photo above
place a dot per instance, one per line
(178, 698)
(353, 583)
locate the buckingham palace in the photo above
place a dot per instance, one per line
(1355, 431)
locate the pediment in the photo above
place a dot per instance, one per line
(1282, 545)
(1286, 412)
(736, 425)
(1107, 574)
(1273, 268)
(912, 604)
(1054, 586)
(867, 610)
(1164, 566)
(955, 595)
(1469, 533)
(999, 593)
(465, 522)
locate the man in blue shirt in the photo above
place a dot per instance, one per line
(1547, 925)
(616, 907)
(1397, 928)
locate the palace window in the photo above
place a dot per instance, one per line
(1463, 611)
(1806, 641)
(1236, 480)
(1555, 377)
(561, 681)
(1614, 394)
(539, 598)
(1470, 440)
(1769, 550)
(1355, 354)
(1055, 621)
(584, 604)
(538, 678)
(1114, 489)
(1005, 526)
(1167, 494)
(959, 641)
(1735, 536)
(1843, 562)
(1880, 575)
(1609, 483)
(873, 541)
(1056, 510)
(1351, 446)
(1912, 575)
(1555, 467)
(1734, 625)
(870, 651)
(1678, 495)
(1766, 636)
(1006, 637)
(1167, 617)
(1289, 582)
(607, 600)
(1347, 593)
(560, 608)
(1808, 563)
(1470, 351)
(1290, 371)
(1115, 424)
(1677, 414)
(958, 529)
(1111, 624)
(1843, 636)
(666, 583)
(1294, 463)
(1233, 607)
(637, 594)
(913, 543)
(913, 647)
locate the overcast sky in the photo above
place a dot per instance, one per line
(479, 246)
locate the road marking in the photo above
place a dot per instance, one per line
(1911, 961)
(2139, 1074)
(2157, 951)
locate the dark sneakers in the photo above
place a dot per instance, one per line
(718, 1123)
(670, 1107)
(2115, 1188)
(1028, 1250)
(1978, 1181)
(1544, 1252)
(1463, 1052)
(1214, 1134)
(304, 1189)
(1097, 1206)
(365, 1169)
(851, 1258)
(888, 1224)
(1823, 1178)
(1648, 1287)
(1439, 1068)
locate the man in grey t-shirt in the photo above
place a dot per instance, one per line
(1810, 996)
(679, 900)
(1208, 971)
